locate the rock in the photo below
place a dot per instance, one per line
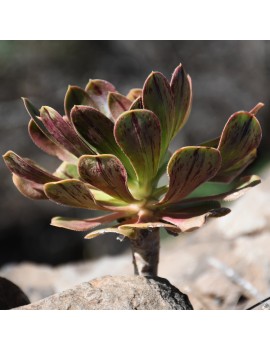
(11, 295)
(117, 293)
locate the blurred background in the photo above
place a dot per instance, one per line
(227, 76)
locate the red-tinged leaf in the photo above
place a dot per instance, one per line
(256, 108)
(27, 169)
(48, 146)
(63, 132)
(137, 104)
(138, 134)
(98, 91)
(97, 130)
(239, 140)
(83, 224)
(133, 94)
(211, 143)
(231, 173)
(28, 188)
(94, 234)
(188, 224)
(188, 168)
(181, 88)
(106, 173)
(192, 223)
(189, 208)
(34, 113)
(72, 193)
(157, 97)
(76, 96)
(118, 104)
(242, 186)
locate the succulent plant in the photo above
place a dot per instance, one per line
(114, 150)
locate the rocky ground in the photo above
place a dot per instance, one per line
(224, 265)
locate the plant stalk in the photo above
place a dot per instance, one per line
(145, 251)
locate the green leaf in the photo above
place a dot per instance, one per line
(106, 173)
(133, 94)
(95, 128)
(27, 169)
(28, 188)
(118, 104)
(138, 133)
(182, 96)
(238, 191)
(189, 208)
(238, 143)
(137, 104)
(63, 132)
(71, 192)
(67, 171)
(157, 97)
(83, 224)
(188, 168)
(98, 91)
(76, 96)
(48, 146)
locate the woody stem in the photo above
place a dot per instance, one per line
(145, 251)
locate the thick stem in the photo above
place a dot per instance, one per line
(145, 250)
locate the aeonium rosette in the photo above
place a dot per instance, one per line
(114, 150)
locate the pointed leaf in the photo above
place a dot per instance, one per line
(48, 146)
(83, 224)
(27, 169)
(98, 91)
(76, 96)
(157, 97)
(118, 104)
(238, 191)
(240, 138)
(63, 132)
(137, 104)
(71, 192)
(106, 173)
(133, 94)
(28, 188)
(188, 168)
(138, 134)
(182, 97)
(34, 114)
